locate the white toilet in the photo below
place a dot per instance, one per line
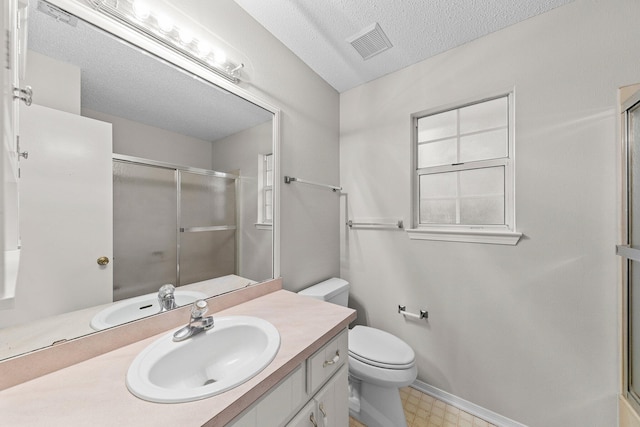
(379, 364)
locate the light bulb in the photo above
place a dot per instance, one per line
(165, 23)
(203, 49)
(141, 10)
(185, 36)
(220, 57)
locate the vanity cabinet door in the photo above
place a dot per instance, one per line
(248, 419)
(278, 405)
(307, 417)
(329, 407)
(333, 400)
(326, 377)
(276, 408)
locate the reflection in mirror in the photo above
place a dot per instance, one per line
(139, 174)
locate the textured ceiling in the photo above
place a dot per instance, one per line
(123, 81)
(316, 31)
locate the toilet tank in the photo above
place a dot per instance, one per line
(333, 290)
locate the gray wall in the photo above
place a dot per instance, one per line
(529, 331)
(139, 140)
(239, 152)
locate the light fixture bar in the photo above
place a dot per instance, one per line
(123, 12)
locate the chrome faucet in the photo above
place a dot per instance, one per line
(166, 298)
(198, 322)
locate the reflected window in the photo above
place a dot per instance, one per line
(265, 189)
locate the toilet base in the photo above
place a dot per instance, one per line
(379, 406)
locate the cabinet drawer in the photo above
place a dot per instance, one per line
(324, 362)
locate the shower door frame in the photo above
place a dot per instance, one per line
(177, 169)
(627, 253)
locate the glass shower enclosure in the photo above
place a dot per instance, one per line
(630, 247)
(171, 224)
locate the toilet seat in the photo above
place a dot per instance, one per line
(380, 349)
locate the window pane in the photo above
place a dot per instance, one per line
(437, 211)
(269, 178)
(267, 197)
(485, 115)
(437, 126)
(438, 194)
(482, 196)
(469, 197)
(482, 182)
(269, 158)
(438, 185)
(482, 211)
(484, 146)
(437, 153)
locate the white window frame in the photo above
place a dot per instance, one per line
(492, 234)
(263, 188)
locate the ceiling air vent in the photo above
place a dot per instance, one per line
(370, 41)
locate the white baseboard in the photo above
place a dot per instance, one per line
(472, 408)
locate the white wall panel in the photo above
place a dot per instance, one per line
(526, 331)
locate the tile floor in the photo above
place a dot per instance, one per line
(423, 410)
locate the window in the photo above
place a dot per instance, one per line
(265, 191)
(463, 179)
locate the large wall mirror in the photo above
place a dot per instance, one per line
(135, 174)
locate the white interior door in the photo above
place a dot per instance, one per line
(65, 211)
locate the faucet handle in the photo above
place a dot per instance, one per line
(199, 309)
(166, 290)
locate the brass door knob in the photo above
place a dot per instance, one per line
(103, 260)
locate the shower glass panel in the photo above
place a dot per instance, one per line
(208, 227)
(633, 147)
(634, 330)
(144, 229)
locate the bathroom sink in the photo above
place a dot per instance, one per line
(235, 350)
(137, 308)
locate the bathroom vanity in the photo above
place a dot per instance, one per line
(307, 379)
(316, 389)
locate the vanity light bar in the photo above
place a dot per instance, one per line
(139, 16)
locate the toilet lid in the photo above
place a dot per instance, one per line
(379, 348)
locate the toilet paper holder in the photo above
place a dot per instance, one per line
(402, 309)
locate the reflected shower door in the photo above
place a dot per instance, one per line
(208, 227)
(145, 229)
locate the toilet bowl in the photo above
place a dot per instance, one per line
(379, 364)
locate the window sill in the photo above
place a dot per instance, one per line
(493, 237)
(262, 226)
